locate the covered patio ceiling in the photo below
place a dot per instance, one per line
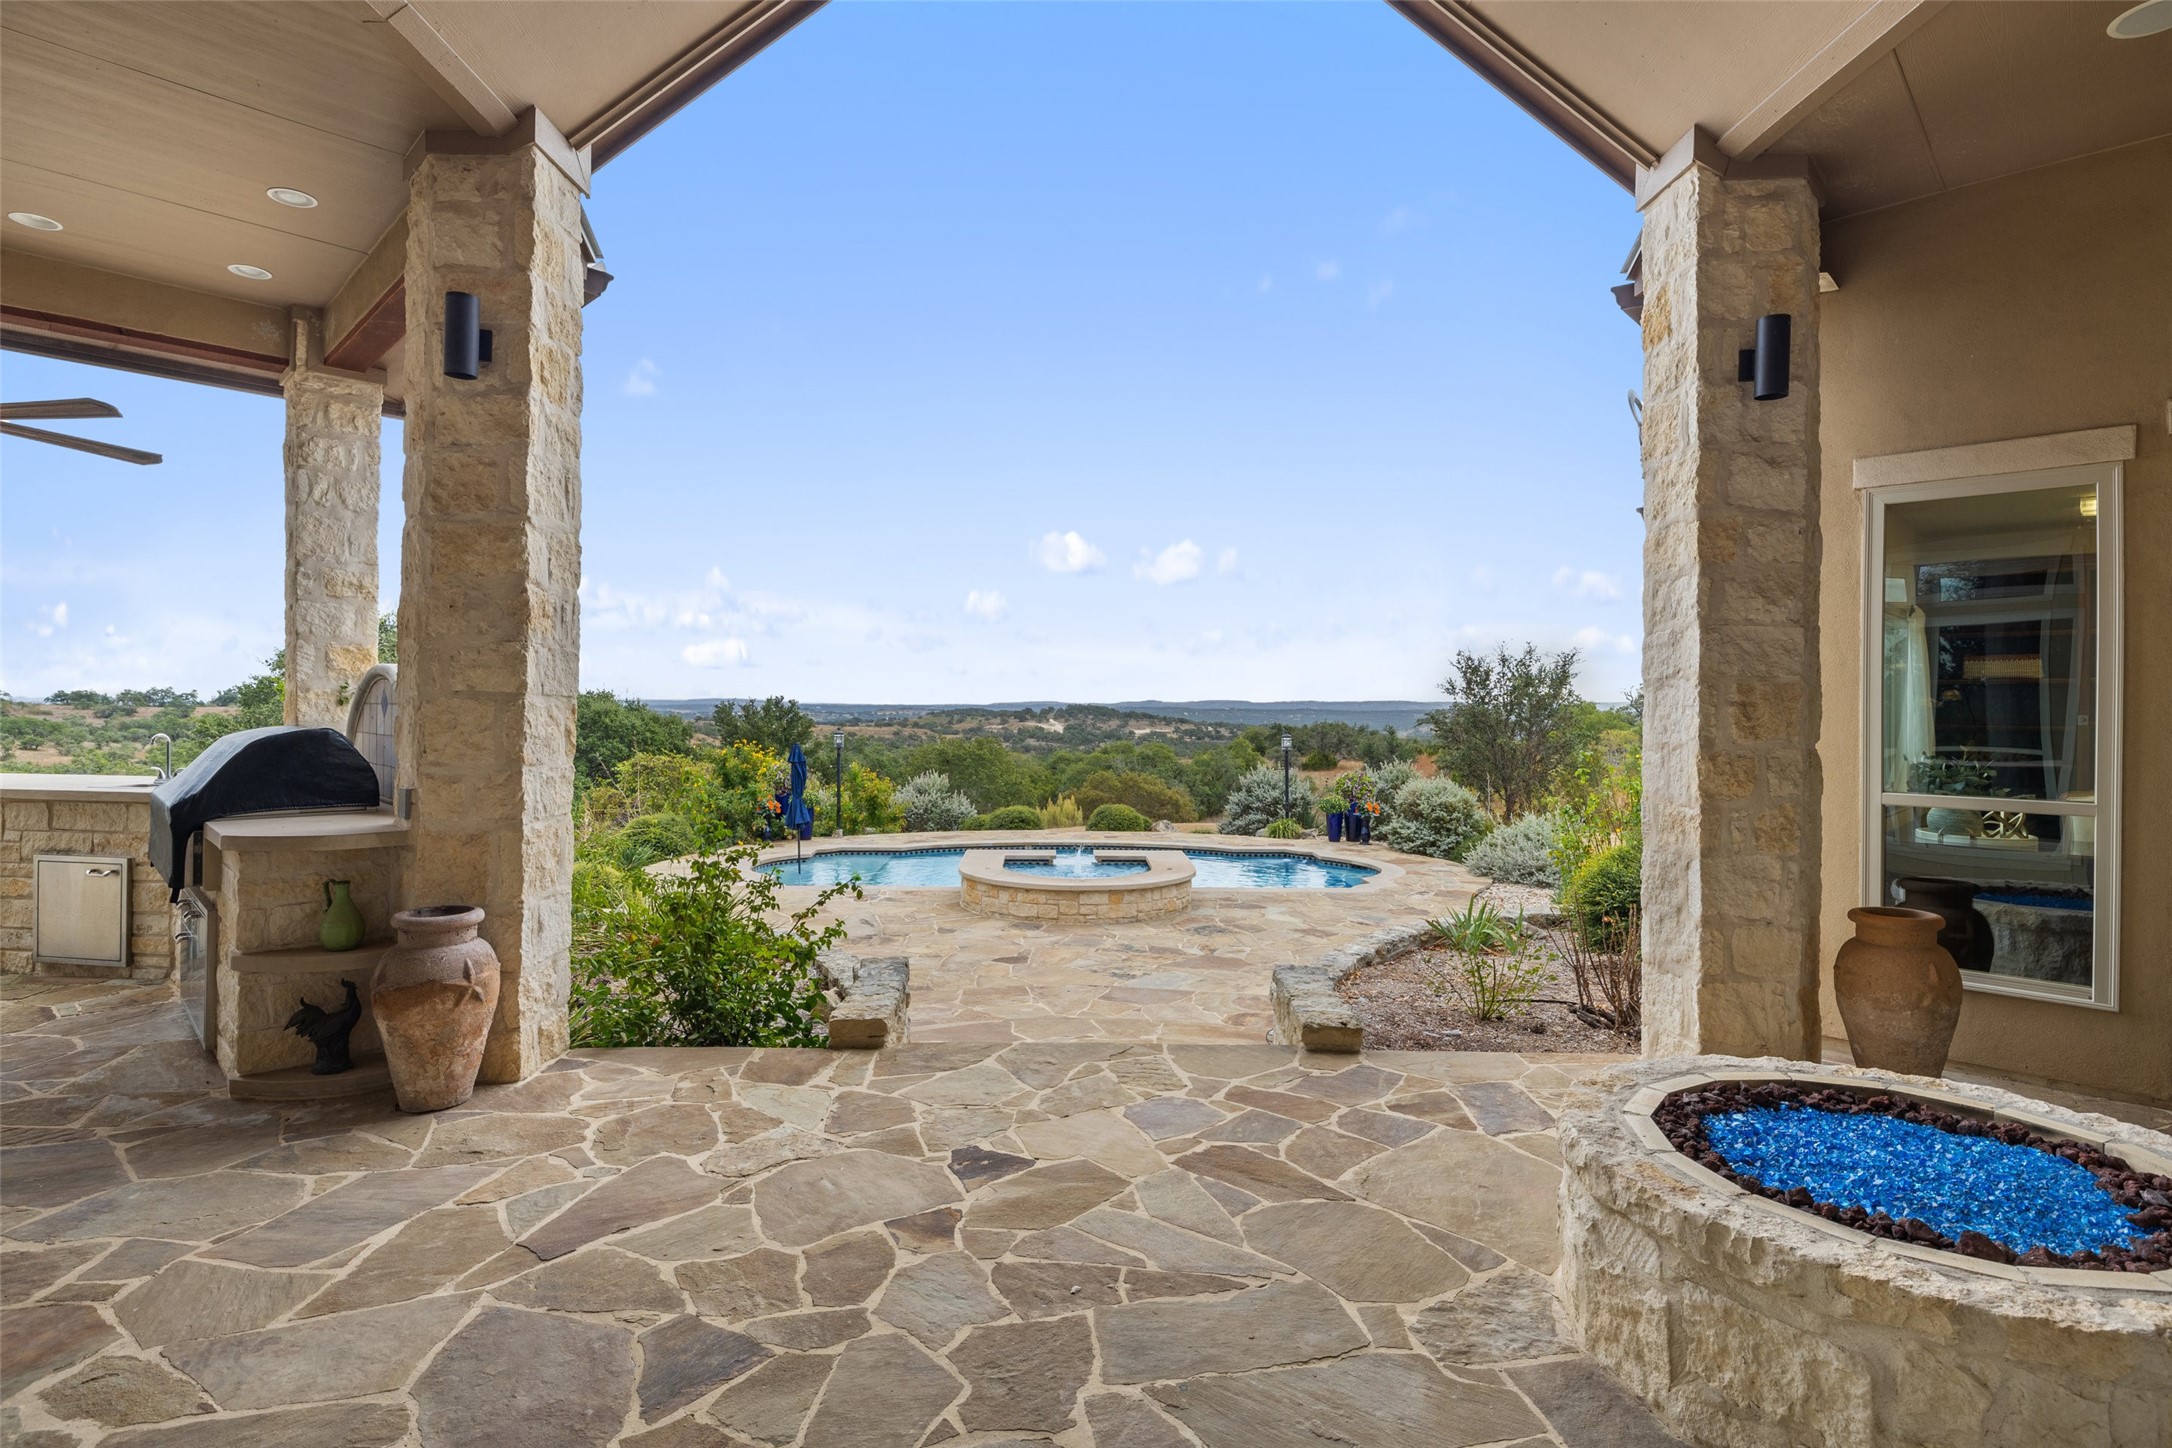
(152, 132)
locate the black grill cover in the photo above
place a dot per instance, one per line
(255, 771)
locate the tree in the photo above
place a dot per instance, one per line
(1510, 728)
(388, 638)
(607, 731)
(776, 723)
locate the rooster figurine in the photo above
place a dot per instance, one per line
(328, 1031)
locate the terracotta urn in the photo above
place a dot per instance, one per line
(1899, 990)
(435, 994)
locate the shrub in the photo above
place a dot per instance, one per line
(870, 802)
(1521, 853)
(1118, 817)
(1062, 813)
(1284, 829)
(1605, 894)
(927, 802)
(1389, 779)
(1317, 760)
(1493, 987)
(696, 959)
(1255, 801)
(652, 837)
(1480, 926)
(1154, 798)
(1435, 817)
(1013, 817)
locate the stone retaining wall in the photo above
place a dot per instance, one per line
(1310, 1011)
(1747, 1324)
(122, 827)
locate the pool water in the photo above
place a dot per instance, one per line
(935, 869)
(2017, 1196)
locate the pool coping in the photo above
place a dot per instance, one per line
(1384, 872)
(990, 867)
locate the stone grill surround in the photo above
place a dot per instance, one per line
(44, 815)
(1746, 1322)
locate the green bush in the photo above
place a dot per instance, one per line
(1602, 896)
(1521, 853)
(1435, 817)
(1154, 798)
(696, 958)
(1255, 801)
(1284, 829)
(1319, 759)
(1062, 813)
(645, 839)
(927, 802)
(1118, 817)
(1013, 817)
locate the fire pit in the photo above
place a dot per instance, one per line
(1854, 1257)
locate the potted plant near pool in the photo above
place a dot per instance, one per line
(1338, 816)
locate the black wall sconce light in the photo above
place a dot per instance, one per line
(1765, 365)
(467, 341)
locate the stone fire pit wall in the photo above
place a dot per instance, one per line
(1748, 1324)
(1164, 887)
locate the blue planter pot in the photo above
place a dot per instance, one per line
(1334, 827)
(806, 831)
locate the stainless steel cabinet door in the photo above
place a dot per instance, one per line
(82, 910)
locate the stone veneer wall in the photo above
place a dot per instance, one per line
(1023, 902)
(1747, 1324)
(1731, 776)
(490, 573)
(285, 894)
(333, 421)
(29, 828)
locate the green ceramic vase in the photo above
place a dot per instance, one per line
(342, 925)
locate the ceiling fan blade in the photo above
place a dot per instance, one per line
(60, 407)
(82, 444)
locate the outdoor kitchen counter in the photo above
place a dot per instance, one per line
(344, 829)
(76, 788)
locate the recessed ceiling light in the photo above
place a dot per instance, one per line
(288, 196)
(253, 273)
(2151, 17)
(34, 221)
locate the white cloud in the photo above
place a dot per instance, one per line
(716, 654)
(1227, 563)
(1598, 638)
(1586, 583)
(1174, 564)
(715, 579)
(1378, 292)
(990, 605)
(1327, 271)
(1066, 553)
(50, 619)
(1398, 219)
(641, 382)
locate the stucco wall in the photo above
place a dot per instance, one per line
(2037, 304)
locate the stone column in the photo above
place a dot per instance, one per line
(490, 568)
(1730, 617)
(332, 484)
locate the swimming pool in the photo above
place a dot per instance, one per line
(935, 869)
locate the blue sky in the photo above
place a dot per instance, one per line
(999, 351)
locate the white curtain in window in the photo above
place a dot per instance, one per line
(1908, 736)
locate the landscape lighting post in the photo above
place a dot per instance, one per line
(839, 737)
(1285, 776)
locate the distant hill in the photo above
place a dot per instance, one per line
(1398, 714)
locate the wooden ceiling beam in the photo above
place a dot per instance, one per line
(434, 60)
(368, 314)
(1855, 47)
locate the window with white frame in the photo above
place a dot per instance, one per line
(1991, 747)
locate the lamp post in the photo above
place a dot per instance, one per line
(1285, 775)
(839, 738)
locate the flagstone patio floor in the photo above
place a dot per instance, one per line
(973, 1243)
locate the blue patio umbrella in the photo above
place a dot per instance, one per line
(796, 813)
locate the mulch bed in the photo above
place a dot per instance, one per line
(1405, 1005)
(2147, 1196)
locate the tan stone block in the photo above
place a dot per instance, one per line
(24, 815)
